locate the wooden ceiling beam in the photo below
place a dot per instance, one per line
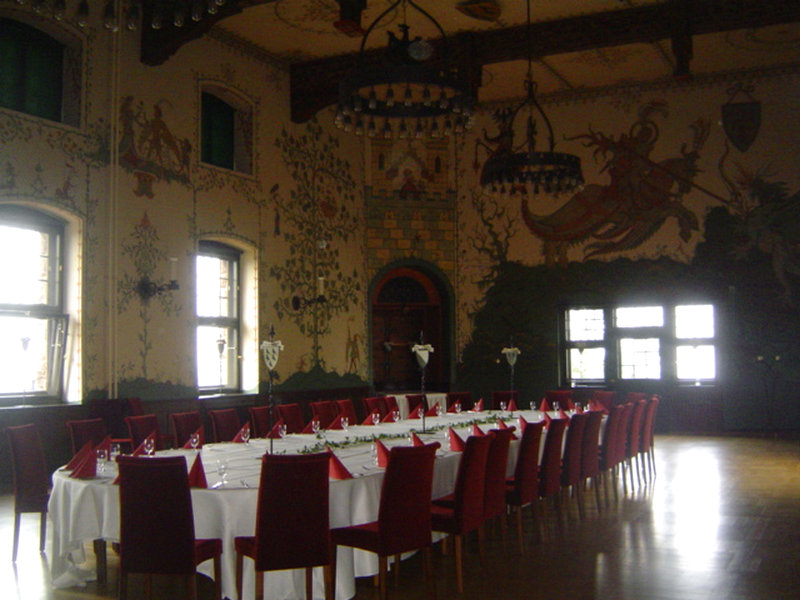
(314, 84)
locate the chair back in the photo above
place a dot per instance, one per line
(494, 487)
(292, 415)
(550, 468)
(636, 396)
(649, 424)
(325, 411)
(607, 444)
(156, 519)
(605, 398)
(293, 510)
(415, 401)
(573, 448)
(134, 406)
(225, 424)
(470, 483)
(635, 431)
(404, 516)
(498, 397)
(346, 409)
(563, 397)
(184, 424)
(620, 445)
(463, 398)
(86, 430)
(259, 421)
(376, 404)
(141, 426)
(28, 464)
(526, 472)
(391, 404)
(590, 455)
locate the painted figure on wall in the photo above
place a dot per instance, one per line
(641, 195)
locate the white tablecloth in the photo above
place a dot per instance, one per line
(86, 509)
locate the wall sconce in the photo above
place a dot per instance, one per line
(299, 303)
(147, 288)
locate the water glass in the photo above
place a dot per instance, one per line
(222, 471)
(395, 415)
(282, 430)
(345, 423)
(194, 440)
(458, 407)
(315, 426)
(101, 460)
(555, 407)
(503, 406)
(438, 410)
(149, 446)
(246, 435)
(114, 452)
(376, 418)
(420, 412)
(533, 404)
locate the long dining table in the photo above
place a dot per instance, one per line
(84, 510)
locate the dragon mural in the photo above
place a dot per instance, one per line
(640, 197)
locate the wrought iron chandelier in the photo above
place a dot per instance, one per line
(523, 169)
(410, 93)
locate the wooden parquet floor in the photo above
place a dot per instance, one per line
(721, 520)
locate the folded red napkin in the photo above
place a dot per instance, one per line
(452, 408)
(80, 455)
(105, 445)
(415, 441)
(512, 405)
(431, 412)
(368, 419)
(562, 414)
(383, 453)
(240, 435)
(200, 436)
(478, 406)
(308, 428)
(197, 474)
(275, 431)
(336, 424)
(501, 424)
(414, 414)
(336, 469)
(389, 418)
(140, 450)
(522, 424)
(456, 443)
(477, 430)
(544, 406)
(87, 467)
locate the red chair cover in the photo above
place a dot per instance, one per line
(506, 396)
(391, 404)
(292, 415)
(524, 487)
(85, 430)
(417, 400)
(494, 493)
(563, 397)
(376, 404)
(346, 409)
(590, 455)
(184, 424)
(259, 420)
(465, 398)
(573, 449)
(141, 426)
(326, 411)
(225, 424)
(550, 467)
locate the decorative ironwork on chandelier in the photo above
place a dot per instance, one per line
(523, 169)
(410, 93)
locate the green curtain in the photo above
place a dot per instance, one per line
(31, 70)
(218, 119)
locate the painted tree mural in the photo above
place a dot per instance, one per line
(320, 215)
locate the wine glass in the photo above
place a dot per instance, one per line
(376, 418)
(438, 410)
(194, 440)
(246, 434)
(282, 430)
(222, 471)
(555, 407)
(395, 415)
(315, 426)
(420, 412)
(345, 423)
(114, 451)
(578, 408)
(503, 406)
(458, 408)
(101, 460)
(533, 404)
(149, 446)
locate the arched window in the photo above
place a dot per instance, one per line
(33, 323)
(40, 75)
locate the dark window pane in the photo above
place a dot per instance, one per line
(218, 124)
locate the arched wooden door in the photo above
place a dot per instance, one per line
(407, 303)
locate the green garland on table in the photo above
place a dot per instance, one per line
(324, 444)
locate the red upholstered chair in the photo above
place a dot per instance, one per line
(415, 401)
(620, 447)
(184, 424)
(86, 430)
(498, 397)
(134, 407)
(157, 523)
(590, 455)
(404, 516)
(225, 424)
(605, 398)
(259, 421)
(464, 513)
(292, 415)
(325, 411)
(292, 523)
(634, 440)
(550, 465)
(391, 404)
(141, 426)
(571, 459)
(376, 404)
(346, 409)
(464, 398)
(608, 457)
(563, 397)
(494, 491)
(636, 396)
(31, 479)
(648, 431)
(523, 488)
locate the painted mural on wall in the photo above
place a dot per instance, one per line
(643, 192)
(317, 218)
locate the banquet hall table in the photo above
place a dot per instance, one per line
(88, 509)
